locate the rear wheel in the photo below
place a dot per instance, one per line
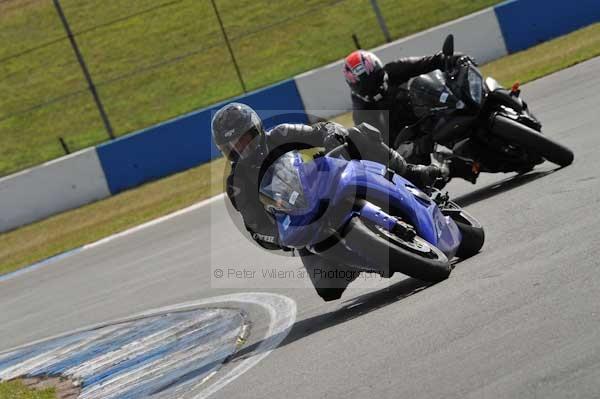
(415, 257)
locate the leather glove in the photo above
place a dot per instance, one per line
(335, 135)
(458, 59)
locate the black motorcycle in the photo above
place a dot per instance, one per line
(479, 120)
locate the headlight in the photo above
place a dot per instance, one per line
(475, 85)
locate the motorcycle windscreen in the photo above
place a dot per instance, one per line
(281, 186)
(430, 93)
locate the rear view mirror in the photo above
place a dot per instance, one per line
(448, 48)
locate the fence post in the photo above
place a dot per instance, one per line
(381, 20)
(86, 73)
(64, 145)
(356, 42)
(235, 64)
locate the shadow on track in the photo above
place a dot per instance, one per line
(350, 309)
(500, 187)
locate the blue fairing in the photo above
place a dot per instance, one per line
(331, 185)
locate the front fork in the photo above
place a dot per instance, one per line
(377, 216)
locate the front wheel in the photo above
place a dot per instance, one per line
(415, 257)
(473, 238)
(529, 139)
(473, 235)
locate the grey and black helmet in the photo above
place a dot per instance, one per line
(237, 131)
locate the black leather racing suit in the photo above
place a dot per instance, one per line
(393, 112)
(244, 180)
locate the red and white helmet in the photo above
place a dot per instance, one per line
(365, 75)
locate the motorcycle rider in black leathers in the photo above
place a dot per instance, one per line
(238, 132)
(380, 98)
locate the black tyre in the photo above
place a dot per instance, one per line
(472, 240)
(529, 139)
(386, 251)
(473, 235)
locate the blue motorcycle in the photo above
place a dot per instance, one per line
(361, 214)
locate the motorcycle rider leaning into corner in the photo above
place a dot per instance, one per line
(238, 132)
(380, 98)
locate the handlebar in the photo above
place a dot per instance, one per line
(453, 70)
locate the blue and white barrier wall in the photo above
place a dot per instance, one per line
(184, 142)
(50, 188)
(95, 173)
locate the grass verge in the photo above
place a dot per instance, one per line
(92, 222)
(18, 390)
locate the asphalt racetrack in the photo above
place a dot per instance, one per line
(519, 320)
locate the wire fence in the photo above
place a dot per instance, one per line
(152, 60)
(143, 68)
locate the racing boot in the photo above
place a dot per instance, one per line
(463, 168)
(423, 176)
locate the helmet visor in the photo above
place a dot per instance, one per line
(373, 87)
(243, 146)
